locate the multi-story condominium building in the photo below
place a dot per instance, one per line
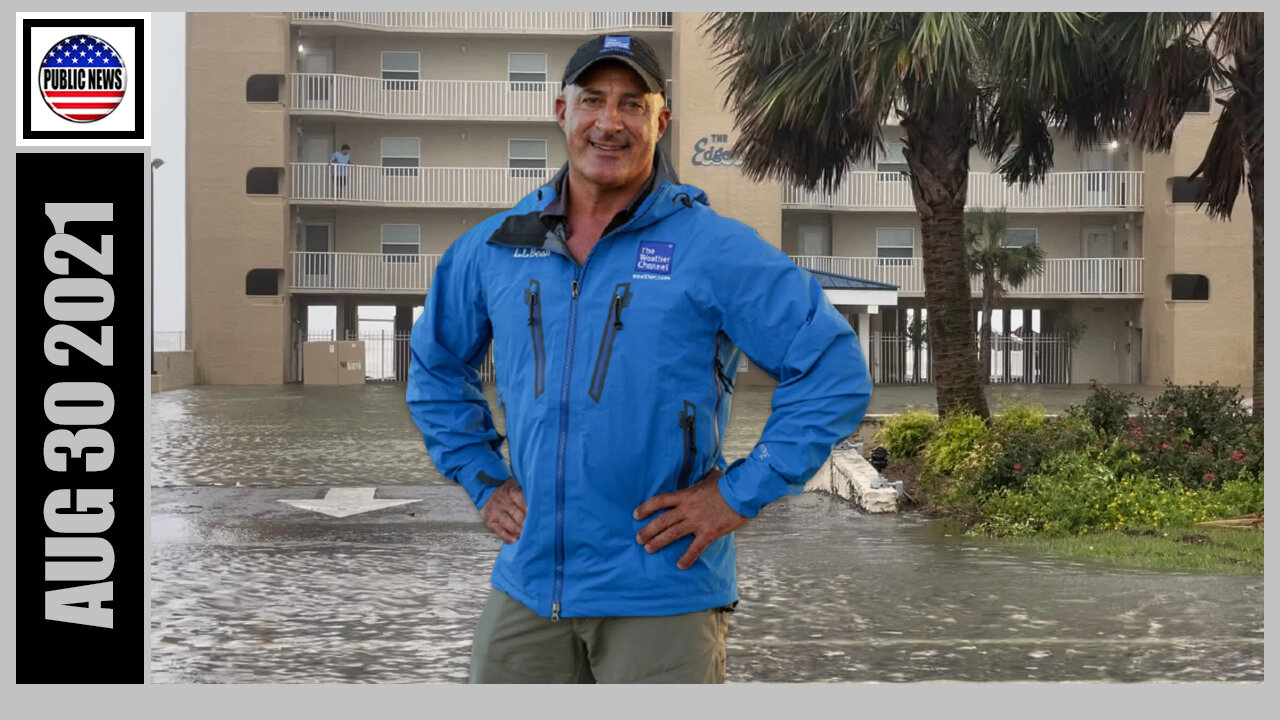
(450, 117)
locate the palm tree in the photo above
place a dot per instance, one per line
(1001, 267)
(1234, 154)
(811, 93)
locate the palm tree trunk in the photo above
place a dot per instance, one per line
(1255, 205)
(937, 152)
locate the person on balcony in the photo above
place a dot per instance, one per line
(341, 161)
(616, 301)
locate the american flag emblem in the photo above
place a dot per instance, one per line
(82, 78)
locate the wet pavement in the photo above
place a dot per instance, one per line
(248, 589)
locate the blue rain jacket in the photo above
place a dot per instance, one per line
(616, 378)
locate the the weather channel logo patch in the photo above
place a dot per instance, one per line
(84, 78)
(617, 42)
(654, 260)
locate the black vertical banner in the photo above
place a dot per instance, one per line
(81, 248)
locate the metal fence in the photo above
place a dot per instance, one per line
(1032, 360)
(168, 341)
(387, 355)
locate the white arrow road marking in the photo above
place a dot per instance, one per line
(341, 502)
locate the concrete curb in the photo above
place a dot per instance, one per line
(849, 475)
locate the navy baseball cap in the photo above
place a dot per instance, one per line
(625, 48)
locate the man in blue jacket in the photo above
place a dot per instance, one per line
(616, 301)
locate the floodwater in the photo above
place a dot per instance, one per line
(246, 589)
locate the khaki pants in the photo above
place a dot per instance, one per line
(513, 644)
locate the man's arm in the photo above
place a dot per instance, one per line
(779, 316)
(444, 394)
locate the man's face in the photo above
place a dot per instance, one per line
(611, 125)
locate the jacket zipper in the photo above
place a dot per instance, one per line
(689, 424)
(612, 324)
(558, 584)
(535, 332)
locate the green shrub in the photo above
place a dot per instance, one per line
(1195, 436)
(905, 435)
(1079, 494)
(957, 435)
(1020, 441)
(1106, 410)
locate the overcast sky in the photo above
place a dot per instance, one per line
(168, 129)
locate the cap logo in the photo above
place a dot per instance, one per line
(617, 42)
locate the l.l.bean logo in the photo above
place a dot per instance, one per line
(713, 150)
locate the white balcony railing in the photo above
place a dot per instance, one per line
(1061, 276)
(465, 99)
(519, 22)
(1120, 189)
(362, 272)
(438, 186)
(419, 99)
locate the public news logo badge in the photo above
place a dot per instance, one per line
(82, 78)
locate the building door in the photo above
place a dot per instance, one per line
(317, 148)
(1100, 268)
(1099, 162)
(814, 240)
(317, 81)
(317, 265)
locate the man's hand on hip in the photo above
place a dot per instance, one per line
(503, 512)
(699, 510)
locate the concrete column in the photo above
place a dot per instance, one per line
(403, 326)
(863, 328)
(347, 318)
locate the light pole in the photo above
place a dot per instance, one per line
(155, 165)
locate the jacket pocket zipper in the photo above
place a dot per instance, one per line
(613, 323)
(535, 333)
(689, 424)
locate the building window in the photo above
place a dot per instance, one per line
(1019, 237)
(895, 246)
(1188, 287)
(263, 181)
(400, 243)
(893, 166)
(262, 88)
(527, 158)
(527, 71)
(400, 156)
(400, 70)
(1186, 190)
(262, 281)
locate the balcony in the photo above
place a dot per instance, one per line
(355, 96)
(327, 272)
(327, 93)
(1062, 277)
(1059, 191)
(550, 23)
(318, 183)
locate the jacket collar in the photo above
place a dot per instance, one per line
(524, 226)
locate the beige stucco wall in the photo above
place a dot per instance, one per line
(1191, 341)
(174, 370)
(236, 339)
